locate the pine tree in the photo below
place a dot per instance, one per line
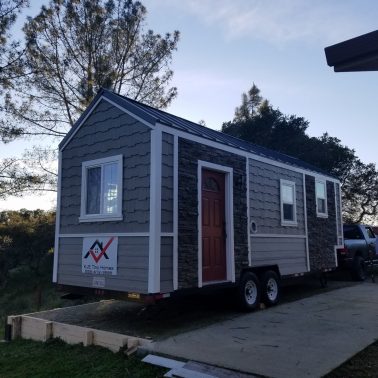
(75, 47)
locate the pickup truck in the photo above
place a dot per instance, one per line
(359, 250)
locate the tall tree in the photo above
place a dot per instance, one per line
(72, 49)
(10, 52)
(26, 242)
(251, 102)
(75, 47)
(13, 178)
(269, 127)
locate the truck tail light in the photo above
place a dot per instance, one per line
(343, 250)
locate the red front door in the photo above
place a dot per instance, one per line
(213, 226)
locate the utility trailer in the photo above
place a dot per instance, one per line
(151, 205)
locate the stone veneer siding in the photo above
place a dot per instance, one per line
(321, 231)
(188, 155)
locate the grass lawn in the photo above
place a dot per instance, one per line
(363, 365)
(25, 358)
(19, 296)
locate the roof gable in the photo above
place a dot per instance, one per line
(152, 116)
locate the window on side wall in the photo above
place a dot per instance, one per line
(288, 203)
(321, 198)
(101, 189)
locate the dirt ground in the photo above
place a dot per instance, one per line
(173, 316)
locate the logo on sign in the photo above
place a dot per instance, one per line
(99, 255)
(97, 251)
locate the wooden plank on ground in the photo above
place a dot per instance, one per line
(35, 329)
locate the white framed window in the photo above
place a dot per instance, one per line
(321, 198)
(101, 189)
(288, 203)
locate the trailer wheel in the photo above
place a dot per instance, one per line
(249, 291)
(359, 268)
(270, 288)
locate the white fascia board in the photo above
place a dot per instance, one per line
(151, 126)
(57, 220)
(240, 152)
(155, 212)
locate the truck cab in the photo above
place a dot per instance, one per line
(359, 249)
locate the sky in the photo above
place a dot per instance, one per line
(226, 46)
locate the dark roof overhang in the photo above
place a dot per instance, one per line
(356, 54)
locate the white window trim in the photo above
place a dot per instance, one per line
(101, 217)
(283, 221)
(319, 214)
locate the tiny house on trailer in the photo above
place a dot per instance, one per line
(150, 205)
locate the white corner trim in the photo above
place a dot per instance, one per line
(341, 214)
(155, 212)
(199, 223)
(175, 212)
(57, 220)
(248, 213)
(305, 221)
(229, 217)
(337, 213)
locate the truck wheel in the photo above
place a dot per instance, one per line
(270, 288)
(249, 291)
(359, 269)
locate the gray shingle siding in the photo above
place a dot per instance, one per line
(108, 132)
(167, 184)
(265, 210)
(166, 265)
(132, 274)
(264, 198)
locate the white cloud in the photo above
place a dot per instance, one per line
(280, 22)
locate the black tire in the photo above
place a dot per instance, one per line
(270, 288)
(249, 292)
(359, 269)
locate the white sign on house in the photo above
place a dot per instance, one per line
(99, 255)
